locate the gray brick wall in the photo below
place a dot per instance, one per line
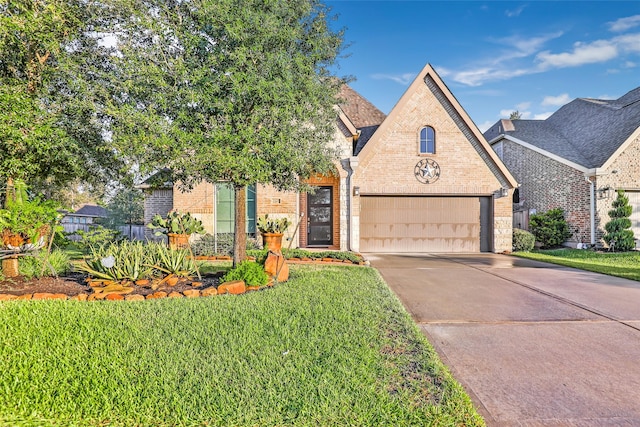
(157, 202)
(548, 184)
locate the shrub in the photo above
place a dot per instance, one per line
(27, 221)
(219, 244)
(523, 240)
(261, 255)
(619, 236)
(252, 273)
(55, 264)
(550, 228)
(97, 236)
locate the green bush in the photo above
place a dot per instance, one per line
(523, 240)
(261, 255)
(252, 273)
(550, 228)
(619, 236)
(207, 245)
(55, 264)
(97, 236)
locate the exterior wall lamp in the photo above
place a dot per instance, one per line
(502, 192)
(356, 191)
(605, 193)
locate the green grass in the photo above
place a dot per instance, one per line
(621, 264)
(73, 251)
(332, 346)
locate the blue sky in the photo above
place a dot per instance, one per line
(495, 56)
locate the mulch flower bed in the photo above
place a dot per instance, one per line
(76, 286)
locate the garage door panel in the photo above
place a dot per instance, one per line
(634, 201)
(419, 224)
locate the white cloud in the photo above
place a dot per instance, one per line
(523, 106)
(403, 79)
(624, 24)
(628, 42)
(500, 68)
(485, 126)
(515, 12)
(556, 100)
(521, 47)
(582, 53)
(476, 77)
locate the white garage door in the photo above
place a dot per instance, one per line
(634, 201)
(424, 224)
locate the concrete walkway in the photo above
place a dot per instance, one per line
(533, 344)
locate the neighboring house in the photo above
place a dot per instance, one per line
(82, 219)
(423, 179)
(575, 160)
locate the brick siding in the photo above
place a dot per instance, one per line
(159, 202)
(387, 167)
(548, 184)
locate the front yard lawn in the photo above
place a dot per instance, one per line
(621, 264)
(333, 346)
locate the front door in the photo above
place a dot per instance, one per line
(320, 217)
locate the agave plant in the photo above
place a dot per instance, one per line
(177, 262)
(122, 261)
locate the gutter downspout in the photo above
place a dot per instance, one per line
(592, 208)
(346, 165)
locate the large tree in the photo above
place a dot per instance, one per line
(51, 126)
(229, 90)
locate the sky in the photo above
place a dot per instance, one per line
(496, 57)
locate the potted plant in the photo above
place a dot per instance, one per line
(24, 224)
(272, 230)
(178, 227)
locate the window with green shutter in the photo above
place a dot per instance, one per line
(225, 208)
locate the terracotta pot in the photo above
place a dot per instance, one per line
(10, 267)
(12, 239)
(272, 241)
(178, 241)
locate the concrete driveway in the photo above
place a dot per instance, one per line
(534, 344)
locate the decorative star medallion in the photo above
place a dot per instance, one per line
(427, 171)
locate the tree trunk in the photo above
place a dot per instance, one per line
(240, 231)
(10, 195)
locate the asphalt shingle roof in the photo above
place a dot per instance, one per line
(92, 211)
(584, 131)
(362, 113)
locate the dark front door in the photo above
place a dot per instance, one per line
(320, 217)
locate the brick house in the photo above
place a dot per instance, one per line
(575, 160)
(422, 179)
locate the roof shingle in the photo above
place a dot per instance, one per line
(585, 131)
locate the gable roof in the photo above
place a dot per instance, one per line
(91, 211)
(360, 114)
(587, 132)
(429, 77)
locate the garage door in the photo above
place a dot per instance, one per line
(425, 224)
(634, 201)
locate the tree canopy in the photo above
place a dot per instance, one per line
(228, 90)
(51, 129)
